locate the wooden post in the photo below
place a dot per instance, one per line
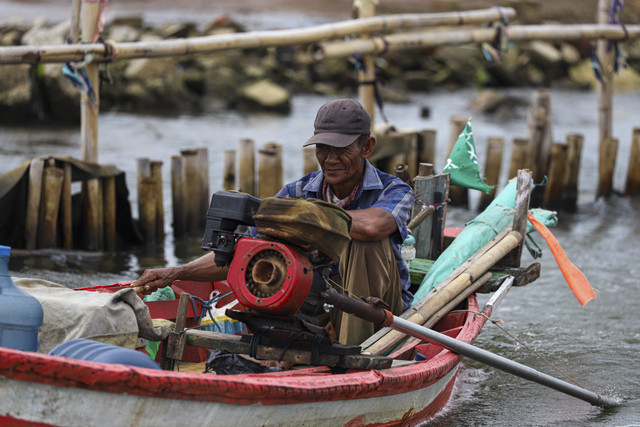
(50, 205)
(109, 190)
(411, 138)
(539, 121)
(92, 202)
(493, 165)
(519, 153)
(91, 206)
(608, 152)
(367, 74)
(557, 169)
(146, 200)
(247, 166)
(402, 172)
(36, 170)
(177, 197)
(190, 190)
(606, 141)
(430, 190)
(427, 146)
(147, 209)
(66, 210)
(310, 160)
(632, 187)
(269, 169)
(229, 171)
(156, 175)
(202, 165)
(458, 196)
(572, 172)
(523, 196)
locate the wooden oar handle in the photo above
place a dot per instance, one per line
(138, 289)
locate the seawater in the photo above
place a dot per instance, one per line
(597, 345)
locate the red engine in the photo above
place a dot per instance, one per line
(270, 277)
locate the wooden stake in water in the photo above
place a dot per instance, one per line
(632, 187)
(492, 167)
(269, 169)
(247, 166)
(574, 153)
(557, 169)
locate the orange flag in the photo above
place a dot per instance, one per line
(575, 279)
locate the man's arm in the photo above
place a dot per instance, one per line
(203, 269)
(371, 224)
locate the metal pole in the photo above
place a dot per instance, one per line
(501, 363)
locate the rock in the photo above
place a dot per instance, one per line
(177, 30)
(122, 33)
(497, 103)
(265, 95)
(40, 35)
(15, 93)
(570, 54)
(547, 59)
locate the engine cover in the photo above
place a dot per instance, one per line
(269, 277)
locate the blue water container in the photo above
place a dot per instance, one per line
(20, 313)
(95, 351)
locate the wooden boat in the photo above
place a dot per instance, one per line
(409, 385)
(40, 389)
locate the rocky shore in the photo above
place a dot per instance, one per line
(265, 79)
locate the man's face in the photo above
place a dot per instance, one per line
(342, 167)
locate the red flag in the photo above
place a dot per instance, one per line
(575, 279)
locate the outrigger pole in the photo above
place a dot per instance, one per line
(470, 351)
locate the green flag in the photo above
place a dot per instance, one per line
(462, 164)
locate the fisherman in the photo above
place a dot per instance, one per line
(379, 205)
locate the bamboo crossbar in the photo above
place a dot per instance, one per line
(253, 39)
(431, 38)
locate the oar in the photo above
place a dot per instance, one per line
(471, 351)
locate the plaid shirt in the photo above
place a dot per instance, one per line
(379, 190)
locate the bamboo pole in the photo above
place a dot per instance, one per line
(247, 166)
(34, 196)
(427, 146)
(427, 39)
(190, 190)
(147, 209)
(557, 168)
(309, 159)
(632, 187)
(109, 194)
(608, 153)
(229, 171)
(519, 153)
(520, 217)
(156, 175)
(93, 238)
(574, 153)
(367, 72)
(269, 169)
(402, 172)
(202, 162)
(454, 288)
(66, 208)
(50, 205)
(493, 165)
(540, 135)
(177, 197)
(248, 40)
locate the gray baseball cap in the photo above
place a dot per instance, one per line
(339, 122)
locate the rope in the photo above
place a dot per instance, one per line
(206, 307)
(495, 322)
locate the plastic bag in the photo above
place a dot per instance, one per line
(224, 363)
(217, 321)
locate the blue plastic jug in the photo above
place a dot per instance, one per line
(20, 313)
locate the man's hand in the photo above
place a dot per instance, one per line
(156, 278)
